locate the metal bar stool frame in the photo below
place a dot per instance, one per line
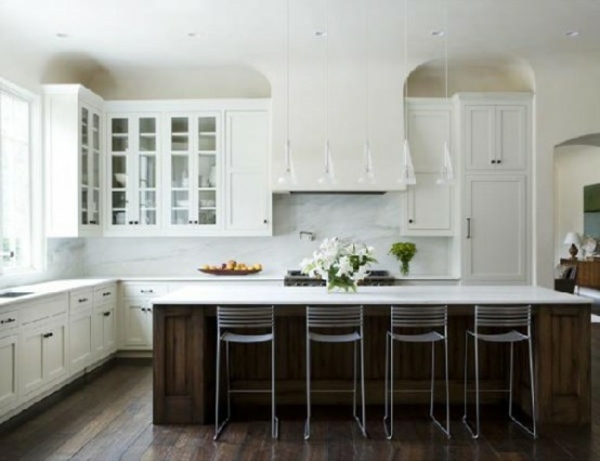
(337, 317)
(419, 317)
(237, 317)
(509, 317)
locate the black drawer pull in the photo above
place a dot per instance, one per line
(106, 293)
(48, 335)
(107, 314)
(146, 291)
(9, 320)
(82, 300)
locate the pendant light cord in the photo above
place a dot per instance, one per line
(406, 69)
(327, 86)
(287, 81)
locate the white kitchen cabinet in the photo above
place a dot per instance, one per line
(495, 237)
(136, 313)
(44, 354)
(80, 329)
(104, 322)
(193, 172)
(248, 209)
(496, 131)
(73, 150)
(429, 127)
(428, 208)
(9, 360)
(133, 173)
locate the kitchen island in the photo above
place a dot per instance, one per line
(185, 338)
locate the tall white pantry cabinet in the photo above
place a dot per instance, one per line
(495, 142)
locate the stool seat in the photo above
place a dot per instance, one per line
(509, 337)
(245, 338)
(330, 338)
(432, 336)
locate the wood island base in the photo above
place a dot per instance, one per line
(184, 363)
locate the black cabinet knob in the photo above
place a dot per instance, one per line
(410, 221)
(498, 161)
(265, 221)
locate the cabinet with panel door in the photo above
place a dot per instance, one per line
(73, 133)
(248, 206)
(9, 359)
(495, 131)
(104, 321)
(44, 344)
(137, 313)
(428, 206)
(133, 173)
(80, 329)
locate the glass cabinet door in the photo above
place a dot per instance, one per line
(147, 171)
(84, 186)
(119, 146)
(208, 179)
(194, 172)
(180, 171)
(94, 209)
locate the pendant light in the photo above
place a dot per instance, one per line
(328, 176)
(368, 174)
(407, 171)
(288, 176)
(447, 173)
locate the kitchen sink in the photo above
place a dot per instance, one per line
(15, 294)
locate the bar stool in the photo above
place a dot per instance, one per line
(429, 325)
(346, 317)
(235, 318)
(509, 318)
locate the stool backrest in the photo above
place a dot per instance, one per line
(245, 317)
(419, 316)
(502, 316)
(334, 316)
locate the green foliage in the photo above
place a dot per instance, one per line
(403, 251)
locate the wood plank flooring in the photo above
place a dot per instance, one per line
(110, 418)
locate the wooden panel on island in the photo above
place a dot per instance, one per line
(184, 361)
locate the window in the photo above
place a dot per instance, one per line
(19, 248)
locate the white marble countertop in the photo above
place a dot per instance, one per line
(39, 290)
(215, 295)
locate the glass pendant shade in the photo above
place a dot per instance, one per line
(288, 176)
(447, 173)
(328, 176)
(368, 175)
(407, 173)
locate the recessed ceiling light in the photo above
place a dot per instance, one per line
(62, 35)
(438, 33)
(192, 34)
(320, 33)
(572, 33)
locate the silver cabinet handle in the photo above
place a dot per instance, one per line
(468, 228)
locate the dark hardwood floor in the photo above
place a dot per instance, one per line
(110, 417)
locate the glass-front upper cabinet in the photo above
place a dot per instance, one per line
(89, 176)
(133, 171)
(194, 170)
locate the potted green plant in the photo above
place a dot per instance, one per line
(404, 252)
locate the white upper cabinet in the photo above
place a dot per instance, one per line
(133, 173)
(73, 135)
(248, 208)
(496, 131)
(428, 206)
(429, 127)
(194, 185)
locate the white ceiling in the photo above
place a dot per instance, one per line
(154, 33)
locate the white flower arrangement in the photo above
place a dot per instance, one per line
(339, 261)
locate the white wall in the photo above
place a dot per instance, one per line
(574, 167)
(373, 219)
(567, 101)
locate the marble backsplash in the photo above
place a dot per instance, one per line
(373, 219)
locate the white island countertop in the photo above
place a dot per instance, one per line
(382, 295)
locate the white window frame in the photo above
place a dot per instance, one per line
(37, 218)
